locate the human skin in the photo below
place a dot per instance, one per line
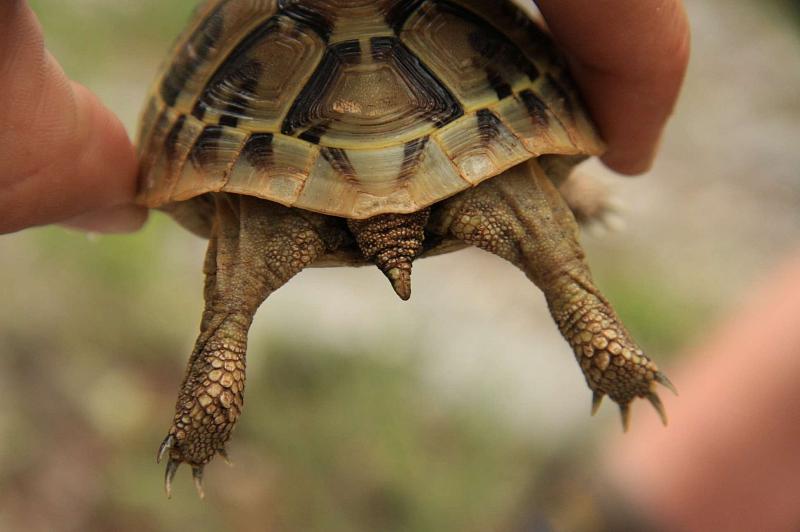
(629, 58)
(67, 159)
(64, 155)
(729, 459)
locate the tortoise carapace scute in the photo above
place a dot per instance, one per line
(352, 108)
(298, 133)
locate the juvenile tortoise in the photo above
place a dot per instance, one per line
(293, 133)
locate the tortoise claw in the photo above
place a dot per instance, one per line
(172, 468)
(664, 381)
(625, 412)
(168, 448)
(225, 458)
(597, 400)
(655, 400)
(197, 476)
(165, 447)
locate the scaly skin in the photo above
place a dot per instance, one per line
(256, 247)
(392, 242)
(521, 217)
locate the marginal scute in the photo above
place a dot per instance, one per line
(178, 144)
(481, 146)
(540, 131)
(155, 177)
(275, 165)
(210, 162)
(353, 108)
(436, 177)
(326, 187)
(553, 88)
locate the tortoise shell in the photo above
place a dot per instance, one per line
(353, 108)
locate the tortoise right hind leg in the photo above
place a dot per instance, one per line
(256, 246)
(520, 216)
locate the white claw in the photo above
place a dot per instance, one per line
(172, 468)
(655, 400)
(224, 454)
(164, 448)
(197, 476)
(664, 381)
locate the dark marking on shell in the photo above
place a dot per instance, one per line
(412, 155)
(238, 76)
(245, 87)
(228, 121)
(438, 104)
(204, 151)
(498, 82)
(349, 52)
(156, 141)
(199, 110)
(488, 126)
(259, 151)
(397, 15)
(314, 134)
(503, 53)
(382, 47)
(560, 92)
(535, 106)
(299, 115)
(320, 21)
(192, 56)
(171, 141)
(531, 71)
(340, 162)
(446, 108)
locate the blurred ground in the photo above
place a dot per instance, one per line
(364, 413)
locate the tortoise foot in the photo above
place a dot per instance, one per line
(209, 404)
(612, 363)
(166, 448)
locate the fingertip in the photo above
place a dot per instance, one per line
(107, 156)
(629, 58)
(630, 163)
(116, 220)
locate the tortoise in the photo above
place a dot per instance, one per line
(297, 133)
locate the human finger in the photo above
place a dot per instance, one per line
(629, 58)
(63, 152)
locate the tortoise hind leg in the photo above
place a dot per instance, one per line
(521, 217)
(255, 247)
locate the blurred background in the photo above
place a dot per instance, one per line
(364, 413)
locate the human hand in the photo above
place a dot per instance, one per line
(629, 58)
(734, 429)
(65, 157)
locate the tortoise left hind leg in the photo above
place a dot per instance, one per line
(520, 216)
(256, 246)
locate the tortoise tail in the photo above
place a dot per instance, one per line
(392, 242)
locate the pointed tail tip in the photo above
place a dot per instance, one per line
(401, 282)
